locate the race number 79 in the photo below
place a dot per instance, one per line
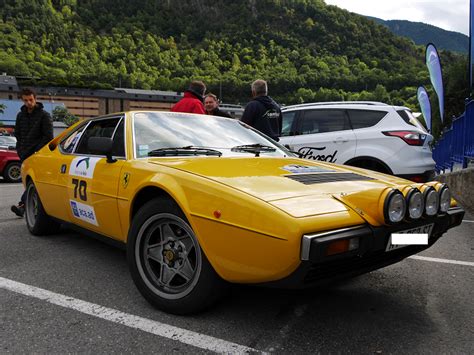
(80, 188)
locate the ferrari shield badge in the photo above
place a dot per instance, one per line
(125, 180)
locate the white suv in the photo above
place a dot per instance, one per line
(370, 135)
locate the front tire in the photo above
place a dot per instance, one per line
(166, 261)
(12, 172)
(37, 220)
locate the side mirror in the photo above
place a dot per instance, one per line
(101, 146)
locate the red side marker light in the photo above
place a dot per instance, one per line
(217, 214)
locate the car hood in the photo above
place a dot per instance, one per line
(301, 188)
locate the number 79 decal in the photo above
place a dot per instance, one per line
(80, 188)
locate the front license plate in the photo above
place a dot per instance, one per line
(426, 229)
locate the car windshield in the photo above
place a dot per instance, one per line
(155, 133)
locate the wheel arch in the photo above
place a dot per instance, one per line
(146, 194)
(370, 161)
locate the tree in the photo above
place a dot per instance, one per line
(61, 114)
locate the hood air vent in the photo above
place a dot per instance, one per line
(310, 179)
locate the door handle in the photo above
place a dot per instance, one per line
(340, 140)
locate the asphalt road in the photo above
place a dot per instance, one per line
(416, 306)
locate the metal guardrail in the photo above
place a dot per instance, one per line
(456, 146)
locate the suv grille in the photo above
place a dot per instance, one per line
(309, 179)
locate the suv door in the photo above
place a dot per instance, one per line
(326, 135)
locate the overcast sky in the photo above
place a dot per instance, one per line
(451, 15)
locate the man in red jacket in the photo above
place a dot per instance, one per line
(192, 102)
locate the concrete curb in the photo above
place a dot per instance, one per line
(461, 184)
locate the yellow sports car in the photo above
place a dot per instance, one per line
(200, 201)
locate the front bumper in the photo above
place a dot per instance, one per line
(317, 268)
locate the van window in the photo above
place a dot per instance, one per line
(365, 118)
(323, 121)
(410, 119)
(287, 123)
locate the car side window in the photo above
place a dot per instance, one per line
(287, 123)
(98, 128)
(68, 144)
(323, 121)
(365, 118)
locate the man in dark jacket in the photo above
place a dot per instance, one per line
(262, 112)
(192, 102)
(33, 129)
(211, 103)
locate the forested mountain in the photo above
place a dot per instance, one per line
(422, 34)
(307, 50)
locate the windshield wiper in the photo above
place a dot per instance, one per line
(253, 148)
(178, 151)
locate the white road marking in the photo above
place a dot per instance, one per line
(465, 220)
(445, 261)
(147, 325)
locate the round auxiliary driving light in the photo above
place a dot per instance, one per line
(395, 207)
(444, 199)
(431, 202)
(416, 204)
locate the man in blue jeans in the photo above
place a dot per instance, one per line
(33, 129)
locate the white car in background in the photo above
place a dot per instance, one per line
(371, 135)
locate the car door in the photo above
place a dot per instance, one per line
(92, 182)
(326, 135)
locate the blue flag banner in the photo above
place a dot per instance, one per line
(425, 105)
(434, 67)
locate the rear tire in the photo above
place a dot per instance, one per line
(166, 261)
(37, 220)
(12, 172)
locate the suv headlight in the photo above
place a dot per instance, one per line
(444, 199)
(431, 202)
(416, 204)
(395, 207)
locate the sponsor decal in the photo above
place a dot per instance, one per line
(83, 212)
(83, 167)
(125, 180)
(302, 169)
(313, 154)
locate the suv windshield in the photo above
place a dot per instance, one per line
(410, 119)
(174, 134)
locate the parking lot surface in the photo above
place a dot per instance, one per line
(69, 293)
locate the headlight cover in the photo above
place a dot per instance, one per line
(416, 204)
(444, 199)
(431, 202)
(395, 207)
